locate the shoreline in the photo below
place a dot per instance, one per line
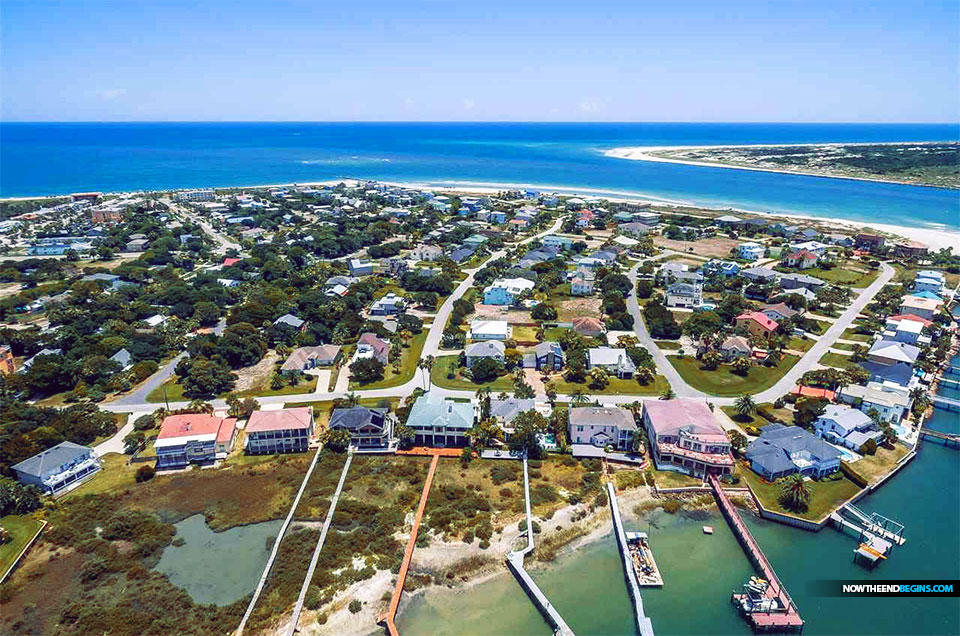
(934, 236)
(644, 153)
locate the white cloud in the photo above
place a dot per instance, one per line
(590, 107)
(468, 104)
(409, 102)
(112, 93)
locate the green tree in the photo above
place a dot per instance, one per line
(406, 436)
(740, 366)
(745, 406)
(711, 360)
(207, 378)
(336, 439)
(241, 345)
(738, 442)
(527, 426)
(367, 370)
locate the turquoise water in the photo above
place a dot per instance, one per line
(701, 571)
(218, 568)
(62, 158)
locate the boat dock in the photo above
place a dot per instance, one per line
(515, 562)
(875, 524)
(945, 403)
(408, 553)
(648, 574)
(870, 548)
(644, 625)
(777, 612)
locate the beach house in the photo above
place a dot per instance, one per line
(919, 306)
(57, 467)
(751, 251)
(614, 361)
(841, 424)
(280, 431)
(493, 349)
(889, 405)
(368, 428)
(440, 422)
(602, 426)
(781, 450)
(194, 438)
(684, 295)
(757, 324)
(506, 291)
(685, 437)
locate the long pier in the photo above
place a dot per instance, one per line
(945, 403)
(948, 439)
(276, 546)
(515, 562)
(644, 625)
(787, 618)
(408, 553)
(298, 608)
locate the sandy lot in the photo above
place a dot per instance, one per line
(711, 247)
(567, 310)
(499, 312)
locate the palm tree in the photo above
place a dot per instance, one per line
(352, 399)
(668, 394)
(579, 396)
(426, 365)
(745, 406)
(794, 494)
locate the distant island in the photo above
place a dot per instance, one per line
(935, 164)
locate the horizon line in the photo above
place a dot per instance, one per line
(490, 121)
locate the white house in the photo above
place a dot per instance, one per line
(615, 361)
(602, 426)
(890, 405)
(581, 286)
(847, 426)
(684, 295)
(489, 330)
(751, 251)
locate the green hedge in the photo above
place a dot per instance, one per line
(853, 475)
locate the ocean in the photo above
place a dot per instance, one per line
(60, 158)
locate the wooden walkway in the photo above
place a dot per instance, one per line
(276, 546)
(644, 626)
(788, 618)
(408, 553)
(295, 619)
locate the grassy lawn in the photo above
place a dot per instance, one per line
(668, 345)
(553, 333)
(723, 382)
(671, 479)
(873, 468)
(800, 344)
(616, 387)
(850, 333)
(750, 420)
(844, 275)
(22, 528)
(838, 360)
(819, 326)
(408, 366)
(525, 334)
(825, 496)
(844, 346)
(174, 392)
(438, 375)
(115, 474)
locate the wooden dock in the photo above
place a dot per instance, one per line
(787, 618)
(408, 553)
(643, 623)
(948, 439)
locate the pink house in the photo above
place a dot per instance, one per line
(684, 436)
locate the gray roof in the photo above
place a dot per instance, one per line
(847, 418)
(123, 357)
(509, 408)
(51, 458)
(355, 417)
(603, 416)
(759, 272)
(777, 443)
(289, 319)
(545, 348)
(485, 349)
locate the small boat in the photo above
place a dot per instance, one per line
(707, 529)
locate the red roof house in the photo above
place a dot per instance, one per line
(757, 324)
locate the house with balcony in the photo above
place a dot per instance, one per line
(890, 405)
(685, 437)
(849, 427)
(57, 467)
(194, 438)
(614, 361)
(781, 451)
(751, 251)
(684, 295)
(389, 305)
(506, 291)
(281, 431)
(369, 429)
(931, 281)
(602, 426)
(440, 422)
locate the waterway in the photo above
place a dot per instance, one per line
(701, 571)
(218, 568)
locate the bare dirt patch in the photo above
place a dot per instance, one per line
(499, 312)
(716, 246)
(258, 375)
(567, 310)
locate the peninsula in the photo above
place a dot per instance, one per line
(935, 164)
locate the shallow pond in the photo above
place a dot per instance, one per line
(218, 568)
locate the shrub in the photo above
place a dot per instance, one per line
(671, 506)
(484, 544)
(145, 473)
(355, 606)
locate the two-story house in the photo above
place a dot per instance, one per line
(685, 437)
(58, 467)
(194, 438)
(440, 422)
(602, 426)
(506, 291)
(281, 431)
(368, 428)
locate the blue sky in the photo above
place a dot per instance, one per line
(782, 61)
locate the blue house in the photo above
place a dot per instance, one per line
(562, 242)
(786, 450)
(506, 291)
(57, 467)
(438, 421)
(497, 217)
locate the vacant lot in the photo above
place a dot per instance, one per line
(724, 382)
(567, 310)
(714, 247)
(500, 312)
(442, 367)
(874, 467)
(410, 356)
(22, 529)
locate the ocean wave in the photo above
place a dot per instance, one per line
(333, 161)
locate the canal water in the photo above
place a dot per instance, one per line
(701, 571)
(218, 568)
